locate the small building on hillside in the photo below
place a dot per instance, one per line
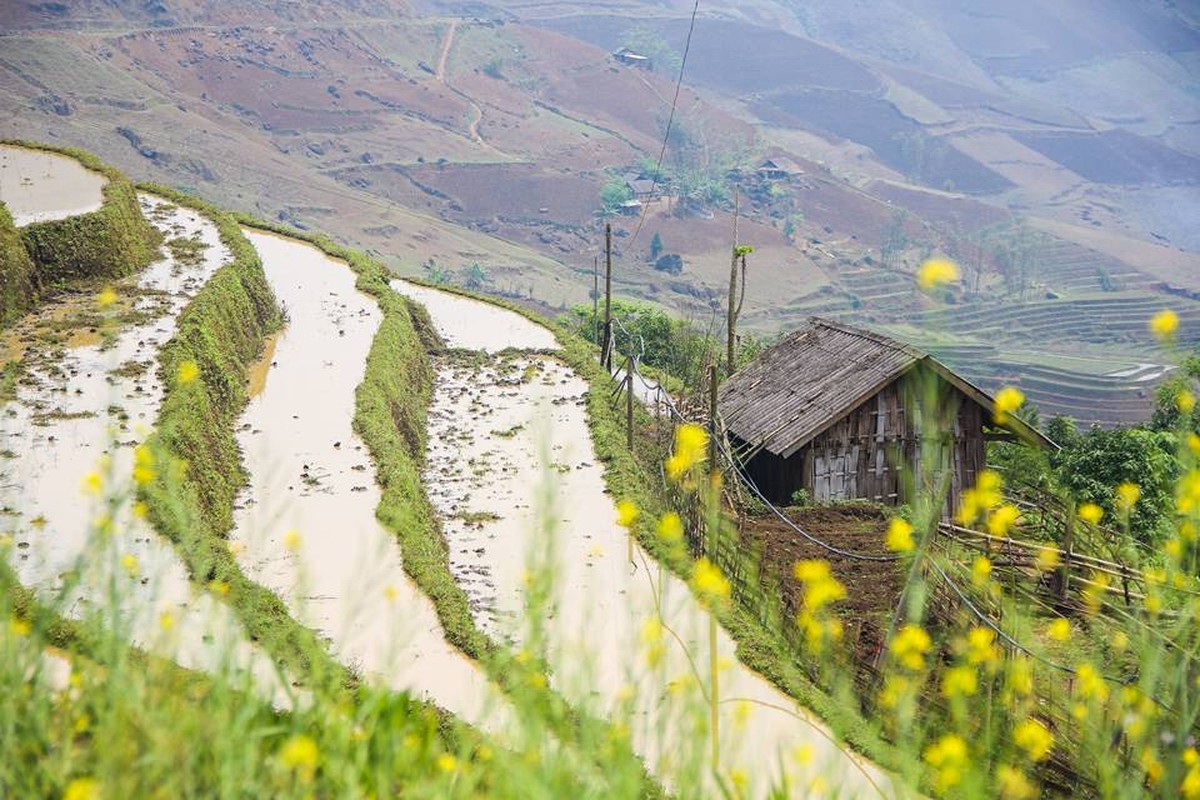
(631, 59)
(834, 410)
(779, 168)
(641, 188)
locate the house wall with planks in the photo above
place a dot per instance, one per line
(872, 452)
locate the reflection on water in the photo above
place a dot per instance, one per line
(81, 409)
(306, 525)
(38, 186)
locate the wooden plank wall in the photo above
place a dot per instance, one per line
(861, 455)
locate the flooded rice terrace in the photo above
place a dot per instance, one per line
(513, 475)
(38, 186)
(89, 396)
(306, 525)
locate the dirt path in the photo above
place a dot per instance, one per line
(447, 43)
(305, 526)
(86, 402)
(513, 474)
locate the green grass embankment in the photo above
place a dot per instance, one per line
(111, 242)
(16, 270)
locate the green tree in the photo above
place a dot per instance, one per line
(476, 277)
(643, 40)
(656, 247)
(614, 193)
(1091, 466)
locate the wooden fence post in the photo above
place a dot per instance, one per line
(629, 403)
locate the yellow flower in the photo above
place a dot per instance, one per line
(291, 540)
(1059, 630)
(1019, 678)
(627, 513)
(708, 580)
(1046, 559)
(960, 681)
(82, 789)
(219, 588)
(1008, 400)
(981, 570)
(1190, 788)
(811, 571)
(948, 757)
(1127, 495)
(1091, 513)
(691, 443)
(1002, 519)
(910, 645)
(301, 755)
(1187, 493)
(1034, 738)
(166, 621)
(1089, 683)
(188, 372)
(140, 509)
(936, 272)
(981, 646)
(1013, 784)
(899, 536)
(130, 563)
(1152, 766)
(670, 527)
(1185, 401)
(1173, 548)
(1120, 641)
(820, 587)
(143, 465)
(19, 627)
(447, 763)
(1164, 324)
(93, 484)
(106, 298)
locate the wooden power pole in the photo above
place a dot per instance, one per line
(606, 349)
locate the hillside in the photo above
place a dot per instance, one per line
(439, 139)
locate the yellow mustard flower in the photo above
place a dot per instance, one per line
(1047, 559)
(82, 789)
(106, 298)
(1185, 401)
(188, 372)
(1034, 738)
(691, 445)
(627, 513)
(129, 562)
(981, 570)
(19, 627)
(300, 755)
(291, 540)
(981, 646)
(948, 757)
(960, 681)
(1126, 495)
(936, 272)
(1164, 324)
(670, 527)
(909, 646)
(1187, 492)
(166, 620)
(1013, 784)
(1008, 400)
(708, 580)
(1002, 519)
(143, 465)
(1059, 630)
(900, 536)
(820, 587)
(1018, 679)
(93, 484)
(1089, 683)
(1091, 513)
(1152, 766)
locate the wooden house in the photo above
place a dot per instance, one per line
(779, 168)
(631, 59)
(836, 411)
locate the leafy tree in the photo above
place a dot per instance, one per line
(1167, 414)
(656, 247)
(614, 193)
(476, 277)
(1091, 465)
(643, 40)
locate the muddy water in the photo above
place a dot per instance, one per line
(82, 408)
(493, 430)
(306, 526)
(472, 325)
(38, 186)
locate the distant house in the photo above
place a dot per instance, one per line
(631, 59)
(779, 169)
(833, 410)
(630, 208)
(641, 188)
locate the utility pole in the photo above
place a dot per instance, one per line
(606, 349)
(731, 318)
(629, 402)
(596, 298)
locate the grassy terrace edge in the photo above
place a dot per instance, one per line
(111, 242)
(391, 407)
(629, 476)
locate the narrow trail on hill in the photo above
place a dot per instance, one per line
(513, 474)
(88, 398)
(305, 527)
(447, 43)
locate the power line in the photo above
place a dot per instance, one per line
(670, 121)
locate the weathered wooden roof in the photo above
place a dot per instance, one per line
(816, 376)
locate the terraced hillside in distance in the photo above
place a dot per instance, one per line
(474, 147)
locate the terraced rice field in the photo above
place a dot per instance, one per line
(514, 477)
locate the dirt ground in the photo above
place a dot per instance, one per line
(872, 588)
